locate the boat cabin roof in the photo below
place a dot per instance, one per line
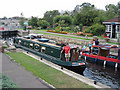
(35, 35)
(36, 40)
(107, 46)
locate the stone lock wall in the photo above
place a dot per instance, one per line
(78, 42)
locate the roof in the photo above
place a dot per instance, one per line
(107, 46)
(116, 19)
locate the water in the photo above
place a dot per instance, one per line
(107, 76)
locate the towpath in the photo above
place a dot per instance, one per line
(22, 77)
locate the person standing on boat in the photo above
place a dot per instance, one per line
(96, 41)
(90, 45)
(67, 51)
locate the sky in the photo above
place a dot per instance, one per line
(37, 8)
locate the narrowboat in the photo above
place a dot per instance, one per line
(106, 55)
(52, 52)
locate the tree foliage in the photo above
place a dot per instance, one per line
(33, 22)
(111, 11)
(86, 15)
(96, 29)
(22, 20)
(66, 18)
(43, 24)
(49, 15)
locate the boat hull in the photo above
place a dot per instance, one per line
(78, 66)
(100, 61)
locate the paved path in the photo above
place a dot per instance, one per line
(22, 77)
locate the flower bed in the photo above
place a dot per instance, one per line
(84, 34)
(57, 31)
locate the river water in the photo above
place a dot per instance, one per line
(107, 76)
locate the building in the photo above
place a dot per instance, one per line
(9, 23)
(113, 27)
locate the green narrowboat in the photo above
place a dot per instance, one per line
(52, 52)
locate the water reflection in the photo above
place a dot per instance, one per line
(107, 75)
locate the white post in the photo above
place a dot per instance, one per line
(104, 63)
(111, 31)
(85, 58)
(116, 66)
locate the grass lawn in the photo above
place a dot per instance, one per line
(61, 35)
(56, 78)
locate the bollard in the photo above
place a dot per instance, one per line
(40, 58)
(95, 82)
(61, 67)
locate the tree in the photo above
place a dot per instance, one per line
(66, 18)
(111, 11)
(49, 15)
(33, 22)
(101, 17)
(22, 20)
(86, 15)
(43, 24)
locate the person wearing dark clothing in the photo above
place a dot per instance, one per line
(96, 42)
(90, 46)
(62, 44)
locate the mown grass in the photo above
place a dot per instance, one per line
(61, 35)
(56, 78)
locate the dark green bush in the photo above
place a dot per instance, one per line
(7, 83)
(96, 29)
(43, 24)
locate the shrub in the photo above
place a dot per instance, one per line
(57, 31)
(96, 29)
(67, 28)
(7, 83)
(43, 24)
(76, 29)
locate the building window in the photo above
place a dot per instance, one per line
(109, 28)
(118, 27)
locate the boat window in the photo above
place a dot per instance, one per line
(19, 42)
(104, 52)
(36, 47)
(25, 43)
(43, 49)
(31, 45)
(113, 53)
(95, 50)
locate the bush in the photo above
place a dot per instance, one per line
(67, 28)
(76, 29)
(8, 83)
(43, 24)
(96, 29)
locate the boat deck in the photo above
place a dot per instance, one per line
(36, 40)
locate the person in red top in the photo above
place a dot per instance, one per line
(67, 52)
